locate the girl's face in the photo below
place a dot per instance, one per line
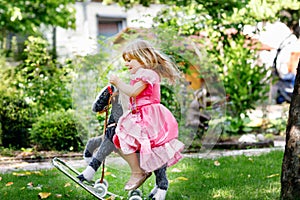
(132, 64)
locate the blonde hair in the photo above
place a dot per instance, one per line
(151, 58)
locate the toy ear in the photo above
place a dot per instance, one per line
(110, 89)
(102, 100)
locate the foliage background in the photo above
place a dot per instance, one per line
(34, 83)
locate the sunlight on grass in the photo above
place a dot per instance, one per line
(273, 188)
(209, 175)
(222, 193)
(238, 178)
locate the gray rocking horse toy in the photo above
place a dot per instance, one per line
(98, 148)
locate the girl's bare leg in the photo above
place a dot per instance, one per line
(138, 175)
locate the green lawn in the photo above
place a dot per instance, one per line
(241, 177)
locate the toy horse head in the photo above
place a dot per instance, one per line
(102, 100)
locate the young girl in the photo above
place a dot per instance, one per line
(148, 127)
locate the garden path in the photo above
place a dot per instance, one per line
(6, 167)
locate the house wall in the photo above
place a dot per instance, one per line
(83, 40)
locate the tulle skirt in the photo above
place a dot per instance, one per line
(152, 131)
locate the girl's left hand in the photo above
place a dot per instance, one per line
(114, 79)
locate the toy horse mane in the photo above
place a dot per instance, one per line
(102, 100)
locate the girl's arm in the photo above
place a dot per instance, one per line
(131, 91)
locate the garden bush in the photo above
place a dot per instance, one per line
(40, 79)
(15, 118)
(168, 99)
(36, 84)
(60, 130)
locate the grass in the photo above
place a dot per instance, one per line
(240, 177)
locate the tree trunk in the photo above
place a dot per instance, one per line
(54, 53)
(290, 175)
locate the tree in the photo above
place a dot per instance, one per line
(290, 177)
(27, 16)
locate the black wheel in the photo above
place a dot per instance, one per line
(135, 198)
(134, 193)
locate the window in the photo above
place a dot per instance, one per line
(109, 26)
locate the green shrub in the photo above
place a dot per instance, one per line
(41, 79)
(60, 130)
(16, 117)
(36, 84)
(246, 83)
(168, 99)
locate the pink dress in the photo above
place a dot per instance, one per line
(149, 127)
